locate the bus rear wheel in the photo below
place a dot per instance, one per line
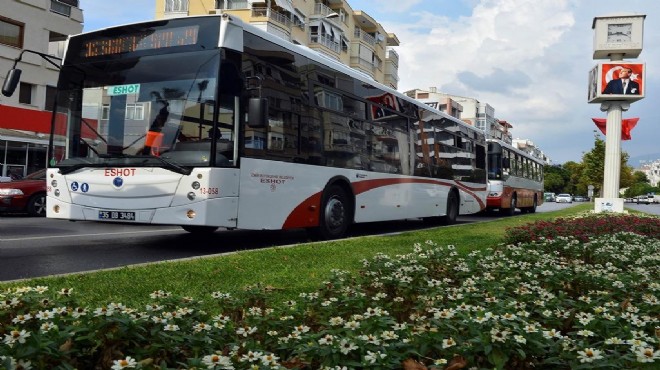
(199, 230)
(512, 206)
(451, 214)
(335, 215)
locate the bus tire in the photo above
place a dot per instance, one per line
(199, 230)
(532, 209)
(37, 205)
(512, 206)
(335, 214)
(452, 209)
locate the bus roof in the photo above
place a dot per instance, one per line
(300, 49)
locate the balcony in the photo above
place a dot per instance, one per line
(326, 41)
(63, 7)
(392, 56)
(322, 11)
(363, 36)
(272, 16)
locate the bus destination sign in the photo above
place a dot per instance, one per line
(143, 40)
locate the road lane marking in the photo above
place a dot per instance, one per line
(88, 235)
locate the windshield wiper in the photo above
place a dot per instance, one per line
(170, 165)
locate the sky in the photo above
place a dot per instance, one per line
(528, 59)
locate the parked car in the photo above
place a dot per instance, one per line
(564, 198)
(25, 195)
(581, 198)
(642, 199)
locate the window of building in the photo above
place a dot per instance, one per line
(11, 32)
(51, 92)
(105, 111)
(135, 111)
(176, 6)
(25, 93)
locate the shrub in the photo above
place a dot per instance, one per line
(584, 227)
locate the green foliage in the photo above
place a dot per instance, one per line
(555, 303)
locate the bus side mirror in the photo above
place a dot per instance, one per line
(13, 76)
(258, 112)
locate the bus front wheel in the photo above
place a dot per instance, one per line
(335, 215)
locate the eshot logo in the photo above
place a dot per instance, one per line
(124, 89)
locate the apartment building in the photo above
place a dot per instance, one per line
(40, 26)
(476, 113)
(330, 27)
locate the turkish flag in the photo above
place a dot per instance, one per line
(626, 126)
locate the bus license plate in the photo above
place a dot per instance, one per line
(117, 215)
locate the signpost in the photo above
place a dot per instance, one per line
(615, 84)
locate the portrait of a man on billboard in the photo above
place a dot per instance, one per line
(622, 79)
(616, 80)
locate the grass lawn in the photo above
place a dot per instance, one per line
(288, 270)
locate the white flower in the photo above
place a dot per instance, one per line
(171, 327)
(372, 357)
(446, 343)
(646, 354)
(128, 362)
(211, 361)
(552, 333)
(16, 336)
(346, 346)
(589, 355)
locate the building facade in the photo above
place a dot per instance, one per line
(330, 27)
(40, 26)
(476, 113)
(652, 171)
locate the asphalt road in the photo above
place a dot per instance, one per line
(33, 247)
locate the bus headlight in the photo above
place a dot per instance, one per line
(191, 214)
(53, 183)
(195, 185)
(57, 192)
(56, 208)
(495, 194)
(191, 196)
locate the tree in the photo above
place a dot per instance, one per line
(555, 178)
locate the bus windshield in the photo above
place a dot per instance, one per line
(155, 110)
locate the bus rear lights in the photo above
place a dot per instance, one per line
(191, 196)
(191, 214)
(195, 185)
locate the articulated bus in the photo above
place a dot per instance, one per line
(515, 179)
(208, 122)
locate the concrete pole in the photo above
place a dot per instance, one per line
(612, 171)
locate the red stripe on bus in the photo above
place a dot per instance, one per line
(306, 214)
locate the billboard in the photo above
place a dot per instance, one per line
(616, 81)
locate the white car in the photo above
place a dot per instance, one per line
(563, 198)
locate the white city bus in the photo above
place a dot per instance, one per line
(515, 179)
(207, 122)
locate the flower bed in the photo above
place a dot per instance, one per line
(585, 226)
(555, 303)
